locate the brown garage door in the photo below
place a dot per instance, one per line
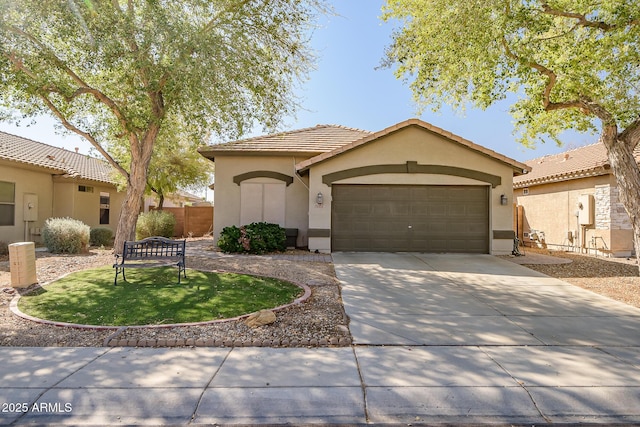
(410, 218)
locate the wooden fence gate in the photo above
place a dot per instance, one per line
(192, 221)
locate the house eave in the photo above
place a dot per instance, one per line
(518, 168)
(212, 154)
(587, 173)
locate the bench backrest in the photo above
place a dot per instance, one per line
(154, 247)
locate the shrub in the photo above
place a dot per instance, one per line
(101, 236)
(4, 248)
(255, 238)
(155, 223)
(65, 235)
(229, 240)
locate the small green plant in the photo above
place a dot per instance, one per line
(255, 238)
(155, 223)
(101, 236)
(65, 235)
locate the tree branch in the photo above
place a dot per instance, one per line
(582, 19)
(213, 21)
(631, 135)
(85, 135)
(583, 103)
(83, 86)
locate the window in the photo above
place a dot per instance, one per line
(104, 208)
(85, 189)
(525, 191)
(7, 203)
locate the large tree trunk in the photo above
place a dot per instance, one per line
(130, 208)
(625, 170)
(137, 182)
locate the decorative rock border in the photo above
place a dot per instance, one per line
(113, 341)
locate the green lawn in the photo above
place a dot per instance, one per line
(153, 296)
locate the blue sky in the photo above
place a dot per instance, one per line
(347, 89)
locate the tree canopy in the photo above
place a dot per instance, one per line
(571, 62)
(574, 64)
(115, 72)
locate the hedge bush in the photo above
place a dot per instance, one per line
(65, 235)
(101, 236)
(4, 248)
(255, 238)
(155, 223)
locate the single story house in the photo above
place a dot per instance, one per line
(179, 199)
(39, 181)
(570, 201)
(409, 187)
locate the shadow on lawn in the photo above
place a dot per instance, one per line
(153, 297)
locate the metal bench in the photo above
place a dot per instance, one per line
(151, 252)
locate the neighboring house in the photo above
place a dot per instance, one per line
(410, 187)
(39, 181)
(570, 201)
(179, 199)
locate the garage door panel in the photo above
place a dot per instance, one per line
(410, 218)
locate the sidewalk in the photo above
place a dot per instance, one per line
(401, 385)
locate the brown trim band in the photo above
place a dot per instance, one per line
(319, 232)
(263, 174)
(412, 167)
(504, 234)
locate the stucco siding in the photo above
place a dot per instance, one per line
(26, 182)
(412, 144)
(228, 193)
(85, 206)
(552, 208)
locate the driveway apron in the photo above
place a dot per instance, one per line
(440, 335)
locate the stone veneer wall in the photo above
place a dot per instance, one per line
(610, 213)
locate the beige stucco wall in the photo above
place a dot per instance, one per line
(85, 207)
(27, 181)
(427, 148)
(227, 193)
(552, 208)
(56, 197)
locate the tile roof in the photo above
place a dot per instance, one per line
(518, 167)
(590, 160)
(56, 160)
(313, 140)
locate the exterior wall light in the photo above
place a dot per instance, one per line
(503, 200)
(319, 199)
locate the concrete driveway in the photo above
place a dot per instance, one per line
(468, 338)
(450, 299)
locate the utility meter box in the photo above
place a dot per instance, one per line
(586, 209)
(22, 263)
(30, 208)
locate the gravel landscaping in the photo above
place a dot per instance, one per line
(319, 321)
(616, 278)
